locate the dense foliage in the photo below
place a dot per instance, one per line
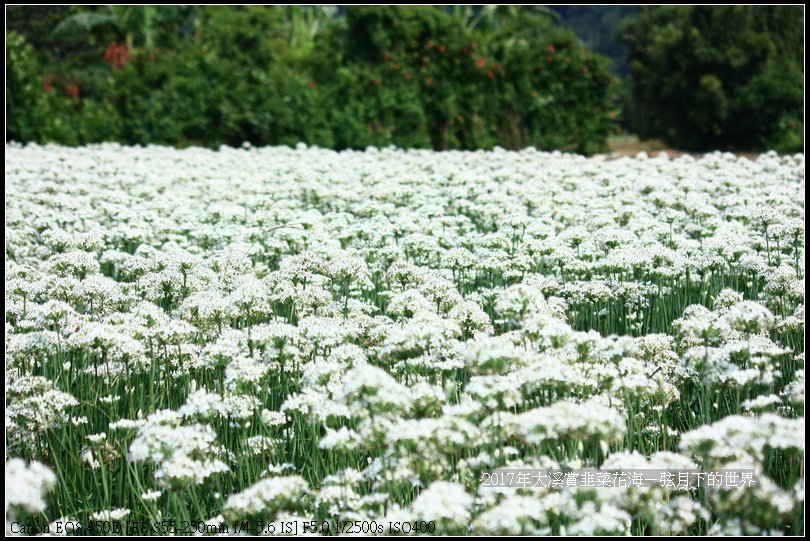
(598, 26)
(408, 76)
(719, 76)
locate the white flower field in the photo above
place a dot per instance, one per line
(345, 342)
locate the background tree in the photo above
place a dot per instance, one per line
(700, 77)
(718, 77)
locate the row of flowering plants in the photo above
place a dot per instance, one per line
(295, 335)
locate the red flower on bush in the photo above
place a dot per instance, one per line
(442, 48)
(430, 44)
(386, 58)
(117, 55)
(47, 86)
(72, 91)
(490, 74)
(430, 81)
(482, 62)
(312, 84)
(551, 49)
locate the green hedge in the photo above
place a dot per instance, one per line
(407, 76)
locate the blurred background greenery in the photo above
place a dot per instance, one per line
(694, 78)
